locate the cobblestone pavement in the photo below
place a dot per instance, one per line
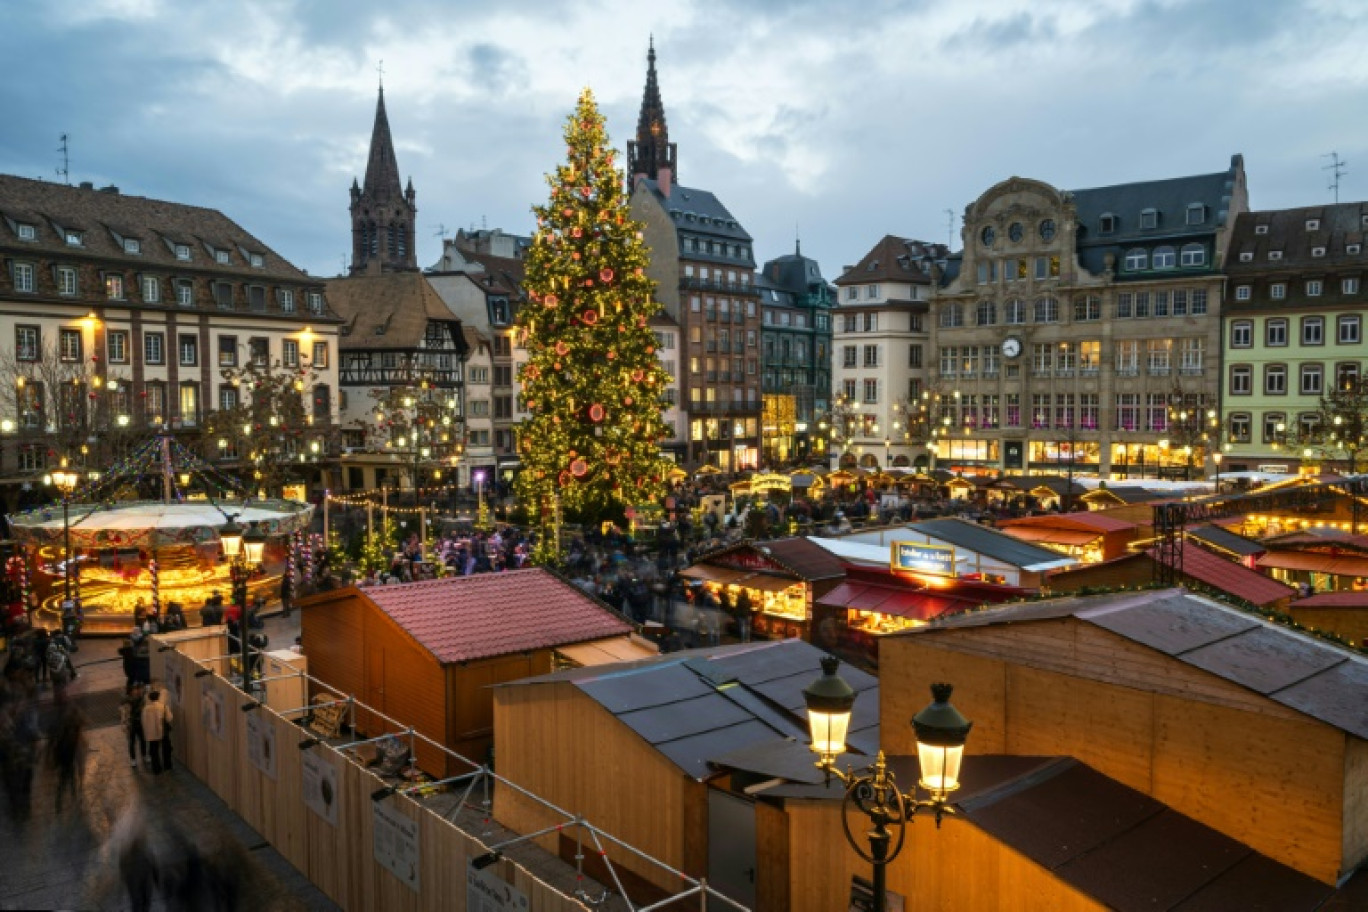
(66, 860)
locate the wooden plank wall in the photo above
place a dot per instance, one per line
(470, 710)
(772, 862)
(1260, 773)
(338, 859)
(563, 746)
(1350, 623)
(954, 867)
(1355, 802)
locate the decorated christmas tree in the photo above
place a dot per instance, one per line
(592, 382)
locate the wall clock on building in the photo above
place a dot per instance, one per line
(1011, 347)
(988, 235)
(1015, 232)
(1047, 230)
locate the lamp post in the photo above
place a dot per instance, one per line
(244, 551)
(482, 513)
(941, 732)
(65, 482)
(1216, 458)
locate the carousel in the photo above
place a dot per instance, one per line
(113, 551)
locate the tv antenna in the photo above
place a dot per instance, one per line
(65, 171)
(950, 228)
(1338, 167)
(441, 231)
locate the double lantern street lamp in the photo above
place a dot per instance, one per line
(66, 481)
(244, 552)
(940, 731)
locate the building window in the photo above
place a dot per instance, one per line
(1196, 214)
(189, 351)
(132, 245)
(228, 398)
(23, 277)
(871, 292)
(1149, 219)
(1128, 411)
(227, 351)
(1136, 259)
(871, 391)
(1193, 255)
(1193, 355)
(1128, 357)
(221, 257)
(1317, 252)
(987, 272)
(1313, 288)
(1313, 224)
(1241, 380)
(871, 355)
(914, 356)
(289, 352)
(322, 401)
(69, 345)
(951, 316)
(1239, 427)
(849, 355)
(151, 290)
(1243, 292)
(1014, 312)
(986, 314)
(1349, 329)
(183, 251)
(189, 404)
(117, 343)
(1349, 286)
(1046, 310)
(1042, 357)
(1199, 302)
(1275, 333)
(287, 301)
(1087, 308)
(1271, 431)
(185, 294)
(28, 343)
(1346, 375)
(223, 295)
(320, 354)
(27, 232)
(73, 237)
(1165, 258)
(1242, 334)
(66, 280)
(852, 293)
(257, 260)
(1312, 377)
(1107, 224)
(259, 351)
(1159, 353)
(114, 287)
(315, 302)
(1277, 291)
(1275, 254)
(154, 348)
(1275, 380)
(1313, 330)
(256, 298)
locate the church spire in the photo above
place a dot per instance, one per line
(652, 154)
(383, 212)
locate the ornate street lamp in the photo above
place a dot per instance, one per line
(941, 733)
(66, 482)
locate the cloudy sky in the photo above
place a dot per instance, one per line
(843, 121)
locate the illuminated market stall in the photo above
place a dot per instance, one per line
(781, 578)
(1090, 537)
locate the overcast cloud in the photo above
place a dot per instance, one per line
(844, 121)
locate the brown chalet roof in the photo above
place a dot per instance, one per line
(1345, 599)
(802, 558)
(386, 311)
(1315, 562)
(893, 259)
(465, 618)
(1228, 576)
(1314, 677)
(1285, 231)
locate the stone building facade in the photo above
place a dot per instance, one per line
(1082, 331)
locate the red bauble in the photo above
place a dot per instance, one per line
(590, 317)
(562, 349)
(564, 479)
(579, 468)
(577, 232)
(638, 375)
(627, 400)
(597, 413)
(606, 275)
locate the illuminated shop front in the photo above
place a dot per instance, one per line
(780, 578)
(957, 454)
(1059, 457)
(1158, 460)
(1089, 537)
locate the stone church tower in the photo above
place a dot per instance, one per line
(383, 213)
(652, 154)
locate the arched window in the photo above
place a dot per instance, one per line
(1046, 310)
(869, 461)
(1165, 257)
(987, 314)
(1193, 255)
(1136, 259)
(1014, 312)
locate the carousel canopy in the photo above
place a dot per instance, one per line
(154, 524)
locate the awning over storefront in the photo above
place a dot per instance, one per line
(1070, 537)
(709, 573)
(914, 605)
(1315, 562)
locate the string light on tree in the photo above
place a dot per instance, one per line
(592, 381)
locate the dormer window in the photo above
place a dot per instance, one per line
(1261, 229)
(132, 245)
(27, 233)
(1149, 218)
(257, 261)
(1107, 224)
(1275, 254)
(1196, 214)
(182, 251)
(221, 256)
(1313, 224)
(1318, 251)
(315, 302)
(1353, 248)
(1246, 257)
(73, 237)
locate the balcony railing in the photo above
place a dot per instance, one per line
(692, 283)
(727, 408)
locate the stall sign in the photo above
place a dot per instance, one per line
(770, 482)
(395, 838)
(319, 785)
(936, 560)
(487, 892)
(295, 492)
(748, 560)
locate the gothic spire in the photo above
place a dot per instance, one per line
(382, 169)
(652, 152)
(383, 211)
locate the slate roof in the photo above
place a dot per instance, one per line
(1285, 231)
(1226, 540)
(389, 311)
(895, 259)
(464, 618)
(793, 273)
(501, 274)
(1170, 197)
(1228, 576)
(107, 216)
(991, 543)
(805, 559)
(699, 212)
(700, 705)
(1314, 677)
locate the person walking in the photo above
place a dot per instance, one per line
(130, 714)
(156, 724)
(66, 746)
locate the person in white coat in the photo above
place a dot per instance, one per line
(156, 723)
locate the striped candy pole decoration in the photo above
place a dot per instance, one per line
(308, 561)
(156, 586)
(292, 566)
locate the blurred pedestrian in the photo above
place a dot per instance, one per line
(18, 753)
(130, 714)
(156, 724)
(137, 865)
(66, 747)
